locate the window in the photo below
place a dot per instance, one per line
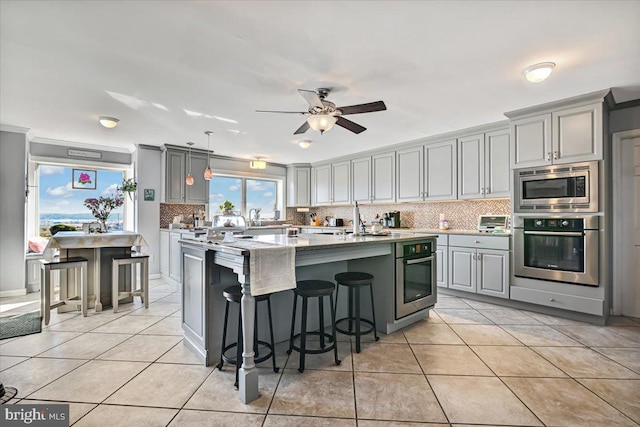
(246, 194)
(60, 203)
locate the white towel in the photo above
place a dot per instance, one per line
(272, 269)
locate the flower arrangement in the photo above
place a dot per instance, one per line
(129, 186)
(101, 207)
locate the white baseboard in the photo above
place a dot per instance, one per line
(13, 293)
(155, 276)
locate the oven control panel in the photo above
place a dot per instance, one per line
(554, 224)
(416, 249)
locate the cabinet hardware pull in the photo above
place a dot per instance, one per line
(488, 190)
(551, 299)
(549, 155)
(474, 256)
(476, 241)
(479, 257)
(555, 155)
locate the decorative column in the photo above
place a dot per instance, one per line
(248, 373)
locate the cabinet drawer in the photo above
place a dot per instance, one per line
(563, 301)
(443, 240)
(485, 242)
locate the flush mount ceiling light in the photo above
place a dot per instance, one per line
(208, 173)
(538, 72)
(108, 122)
(189, 180)
(258, 164)
(321, 122)
(304, 144)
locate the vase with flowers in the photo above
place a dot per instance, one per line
(102, 206)
(129, 186)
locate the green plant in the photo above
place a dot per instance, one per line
(61, 227)
(228, 206)
(129, 186)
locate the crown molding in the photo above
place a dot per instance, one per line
(94, 147)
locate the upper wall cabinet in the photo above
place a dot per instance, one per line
(564, 132)
(483, 165)
(383, 172)
(298, 185)
(410, 178)
(440, 175)
(331, 183)
(321, 185)
(176, 190)
(361, 179)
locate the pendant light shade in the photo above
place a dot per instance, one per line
(208, 173)
(189, 180)
(321, 122)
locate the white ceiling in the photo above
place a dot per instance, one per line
(439, 67)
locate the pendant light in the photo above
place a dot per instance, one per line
(208, 173)
(189, 179)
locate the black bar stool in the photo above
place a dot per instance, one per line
(310, 289)
(355, 281)
(234, 294)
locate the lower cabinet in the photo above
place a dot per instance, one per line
(474, 267)
(164, 253)
(442, 255)
(194, 295)
(170, 265)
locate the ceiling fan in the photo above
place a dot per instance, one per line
(323, 114)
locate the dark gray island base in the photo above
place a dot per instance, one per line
(209, 267)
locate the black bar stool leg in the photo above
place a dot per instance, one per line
(293, 323)
(357, 292)
(333, 332)
(373, 314)
(321, 319)
(303, 335)
(224, 335)
(350, 309)
(273, 343)
(238, 349)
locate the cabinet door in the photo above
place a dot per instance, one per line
(198, 192)
(531, 141)
(462, 269)
(383, 168)
(497, 173)
(175, 176)
(174, 256)
(410, 174)
(577, 134)
(471, 167)
(340, 185)
(441, 267)
(322, 185)
(164, 253)
(361, 179)
(441, 174)
(194, 294)
(298, 186)
(493, 273)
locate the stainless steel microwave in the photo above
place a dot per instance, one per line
(557, 188)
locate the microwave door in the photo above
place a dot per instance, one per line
(546, 189)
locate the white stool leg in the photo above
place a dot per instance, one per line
(47, 294)
(144, 281)
(114, 284)
(84, 288)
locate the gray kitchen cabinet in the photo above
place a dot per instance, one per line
(566, 131)
(483, 165)
(479, 264)
(441, 177)
(410, 174)
(383, 172)
(340, 182)
(361, 179)
(298, 185)
(442, 255)
(321, 185)
(174, 256)
(164, 252)
(194, 295)
(176, 189)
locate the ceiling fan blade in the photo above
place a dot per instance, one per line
(363, 108)
(302, 129)
(311, 97)
(284, 112)
(348, 124)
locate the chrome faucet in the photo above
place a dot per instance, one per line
(254, 219)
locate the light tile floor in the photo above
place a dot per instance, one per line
(469, 363)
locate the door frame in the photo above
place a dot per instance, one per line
(621, 272)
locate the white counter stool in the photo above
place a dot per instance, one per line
(79, 265)
(142, 291)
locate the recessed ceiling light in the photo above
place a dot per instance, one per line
(538, 72)
(108, 122)
(304, 144)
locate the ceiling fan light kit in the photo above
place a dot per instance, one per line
(538, 72)
(108, 122)
(322, 122)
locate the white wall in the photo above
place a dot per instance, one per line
(13, 168)
(148, 173)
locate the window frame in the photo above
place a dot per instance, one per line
(279, 192)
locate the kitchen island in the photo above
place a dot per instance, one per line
(209, 266)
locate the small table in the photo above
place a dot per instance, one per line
(99, 249)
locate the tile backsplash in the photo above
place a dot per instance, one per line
(169, 210)
(461, 214)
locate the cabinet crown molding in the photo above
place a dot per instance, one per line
(575, 101)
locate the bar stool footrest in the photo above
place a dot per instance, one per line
(232, 360)
(327, 348)
(362, 331)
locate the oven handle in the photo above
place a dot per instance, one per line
(418, 261)
(555, 233)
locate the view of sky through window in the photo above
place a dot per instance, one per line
(260, 194)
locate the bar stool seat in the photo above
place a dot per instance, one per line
(233, 294)
(142, 291)
(355, 281)
(78, 264)
(313, 289)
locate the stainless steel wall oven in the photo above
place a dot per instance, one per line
(557, 248)
(415, 277)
